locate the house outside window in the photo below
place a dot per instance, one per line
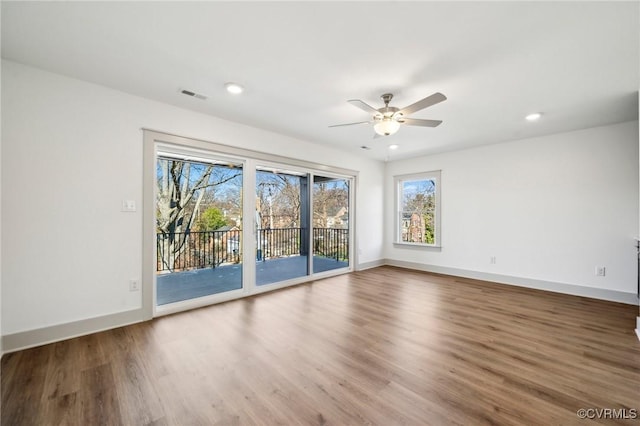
(418, 209)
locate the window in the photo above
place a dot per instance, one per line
(418, 209)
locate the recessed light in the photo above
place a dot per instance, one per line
(533, 117)
(394, 146)
(234, 88)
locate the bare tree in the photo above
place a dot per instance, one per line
(420, 199)
(288, 200)
(329, 197)
(279, 200)
(181, 188)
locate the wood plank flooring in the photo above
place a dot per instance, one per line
(385, 346)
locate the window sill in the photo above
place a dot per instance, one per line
(419, 246)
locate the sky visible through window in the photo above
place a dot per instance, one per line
(411, 189)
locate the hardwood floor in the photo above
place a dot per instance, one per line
(384, 346)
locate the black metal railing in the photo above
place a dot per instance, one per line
(331, 242)
(327, 242)
(279, 242)
(182, 251)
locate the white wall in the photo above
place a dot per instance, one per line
(638, 236)
(548, 208)
(1, 346)
(72, 151)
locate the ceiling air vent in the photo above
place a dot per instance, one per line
(193, 94)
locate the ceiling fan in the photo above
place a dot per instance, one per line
(387, 120)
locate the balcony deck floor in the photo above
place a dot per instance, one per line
(179, 286)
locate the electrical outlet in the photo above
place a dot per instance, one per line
(601, 271)
(134, 285)
(492, 260)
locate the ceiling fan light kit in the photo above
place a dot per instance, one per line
(387, 126)
(387, 120)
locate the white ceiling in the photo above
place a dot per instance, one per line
(578, 62)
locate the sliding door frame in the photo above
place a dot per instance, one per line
(311, 173)
(351, 206)
(250, 159)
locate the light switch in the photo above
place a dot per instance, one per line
(128, 206)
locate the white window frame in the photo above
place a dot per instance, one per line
(398, 180)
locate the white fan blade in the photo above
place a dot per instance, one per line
(420, 122)
(363, 106)
(350, 124)
(424, 103)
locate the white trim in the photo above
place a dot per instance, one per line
(55, 333)
(638, 327)
(353, 246)
(555, 287)
(310, 200)
(188, 142)
(201, 157)
(435, 175)
(199, 302)
(249, 226)
(148, 293)
(369, 265)
(419, 245)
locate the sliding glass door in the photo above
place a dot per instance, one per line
(282, 225)
(226, 223)
(300, 228)
(331, 201)
(198, 227)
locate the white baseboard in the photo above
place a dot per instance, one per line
(638, 327)
(55, 333)
(372, 264)
(575, 290)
